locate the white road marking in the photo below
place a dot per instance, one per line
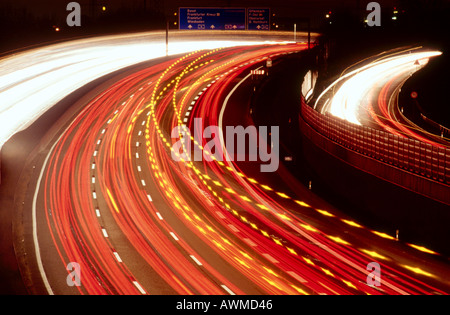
(249, 242)
(117, 257)
(227, 289)
(174, 236)
(233, 228)
(270, 258)
(196, 260)
(220, 215)
(296, 276)
(138, 286)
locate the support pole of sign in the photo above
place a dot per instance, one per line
(309, 33)
(295, 32)
(167, 37)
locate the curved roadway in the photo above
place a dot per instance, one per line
(111, 198)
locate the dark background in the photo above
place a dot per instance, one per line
(25, 22)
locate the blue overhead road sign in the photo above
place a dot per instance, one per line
(212, 18)
(258, 19)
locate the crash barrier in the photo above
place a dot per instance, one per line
(424, 168)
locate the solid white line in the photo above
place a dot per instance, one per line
(227, 289)
(34, 219)
(225, 102)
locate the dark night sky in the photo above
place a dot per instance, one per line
(56, 8)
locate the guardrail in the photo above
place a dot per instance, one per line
(414, 156)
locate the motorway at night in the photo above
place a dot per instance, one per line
(167, 160)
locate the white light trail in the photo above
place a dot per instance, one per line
(33, 81)
(356, 86)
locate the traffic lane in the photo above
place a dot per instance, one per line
(243, 113)
(41, 135)
(115, 121)
(265, 233)
(128, 201)
(264, 241)
(79, 143)
(92, 135)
